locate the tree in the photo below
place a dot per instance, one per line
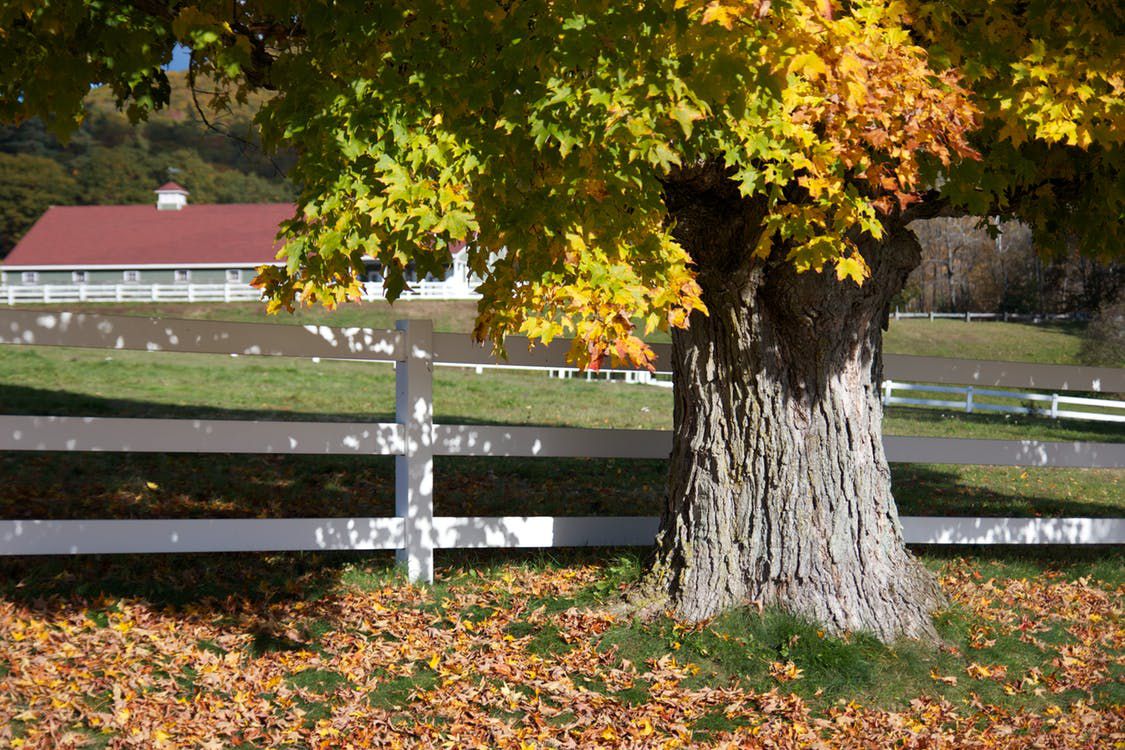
(29, 185)
(1104, 340)
(120, 175)
(741, 172)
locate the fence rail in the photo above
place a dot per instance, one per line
(413, 439)
(970, 404)
(15, 294)
(969, 317)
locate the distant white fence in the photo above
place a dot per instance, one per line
(969, 317)
(415, 532)
(970, 403)
(452, 289)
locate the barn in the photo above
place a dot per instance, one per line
(169, 243)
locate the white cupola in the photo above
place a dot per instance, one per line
(170, 197)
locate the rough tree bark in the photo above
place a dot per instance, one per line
(779, 489)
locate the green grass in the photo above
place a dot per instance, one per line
(1054, 343)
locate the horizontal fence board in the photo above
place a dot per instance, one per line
(1089, 415)
(198, 535)
(902, 401)
(953, 530)
(1011, 374)
(37, 433)
(928, 450)
(458, 348)
(323, 534)
(544, 531)
(222, 337)
(556, 442)
(19, 433)
(198, 336)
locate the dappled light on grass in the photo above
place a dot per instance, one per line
(325, 650)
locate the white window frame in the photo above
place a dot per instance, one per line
(234, 276)
(131, 276)
(181, 276)
(29, 277)
(80, 277)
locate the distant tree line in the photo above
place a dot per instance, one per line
(109, 161)
(972, 265)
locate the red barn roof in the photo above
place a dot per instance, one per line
(171, 187)
(237, 233)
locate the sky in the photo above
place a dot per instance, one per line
(179, 58)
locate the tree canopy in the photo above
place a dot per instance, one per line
(29, 186)
(740, 171)
(551, 134)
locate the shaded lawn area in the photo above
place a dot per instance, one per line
(60, 485)
(521, 650)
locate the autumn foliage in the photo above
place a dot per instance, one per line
(392, 665)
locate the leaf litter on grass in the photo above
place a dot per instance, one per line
(522, 656)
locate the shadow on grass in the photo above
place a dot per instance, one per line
(61, 485)
(18, 399)
(248, 583)
(1001, 491)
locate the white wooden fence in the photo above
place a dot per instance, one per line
(969, 401)
(969, 317)
(450, 289)
(415, 532)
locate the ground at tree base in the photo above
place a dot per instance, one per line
(210, 653)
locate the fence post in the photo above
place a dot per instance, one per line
(931, 315)
(1054, 406)
(414, 471)
(888, 387)
(969, 400)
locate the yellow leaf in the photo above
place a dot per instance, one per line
(434, 661)
(852, 267)
(808, 65)
(152, 485)
(724, 15)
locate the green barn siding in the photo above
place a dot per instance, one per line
(148, 276)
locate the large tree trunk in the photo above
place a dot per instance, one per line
(780, 490)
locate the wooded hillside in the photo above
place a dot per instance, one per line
(110, 161)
